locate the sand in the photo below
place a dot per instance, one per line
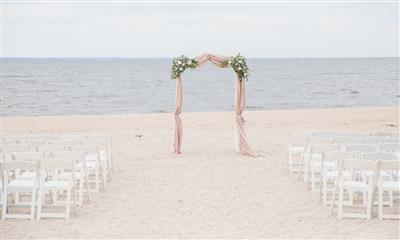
(209, 191)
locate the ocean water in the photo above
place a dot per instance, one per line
(71, 86)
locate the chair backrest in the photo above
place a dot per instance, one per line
(14, 148)
(28, 156)
(70, 137)
(51, 148)
(71, 155)
(354, 135)
(64, 142)
(389, 165)
(86, 149)
(324, 147)
(360, 148)
(338, 156)
(44, 138)
(58, 163)
(298, 138)
(375, 140)
(102, 144)
(20, 165)
(324, 134)
(379, 156)
(383, 134)
(346, 140)
(359, 164)
(389, 147)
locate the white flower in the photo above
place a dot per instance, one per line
(229, 63)
(179, 62)
(189, 62)
(181, 68)
(240, 61)
(239, 68)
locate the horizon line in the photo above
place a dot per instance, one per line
(169, 57)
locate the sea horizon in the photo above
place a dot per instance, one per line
(97, 86)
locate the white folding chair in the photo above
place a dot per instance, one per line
(103, 154)
(94, 165)
(390, 185)
(19, 186)
(52, 183)
(81, 174)
(329, 172)
(356, 184)
(305, 161)
(296, 146)
(107, 138)
(316, 152)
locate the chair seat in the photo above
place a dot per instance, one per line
(354, 184)
(92, 164)
(22, 185)
(391, 185)
(68, 175)
(58, 184)
(27, 176)
(295, 149)
(334, 174)
(316, 155)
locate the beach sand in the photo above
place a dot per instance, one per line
(209, 191)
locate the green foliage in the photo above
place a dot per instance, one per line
(180, 64)
(239, 65)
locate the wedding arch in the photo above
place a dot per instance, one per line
(239, 65)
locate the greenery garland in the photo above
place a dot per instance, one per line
(180, 64)
(237, 63)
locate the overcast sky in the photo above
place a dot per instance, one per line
(170, 29)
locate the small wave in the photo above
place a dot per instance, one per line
(253, 107)
(16, 76)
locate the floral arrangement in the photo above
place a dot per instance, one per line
(180, 64)
(239, 65)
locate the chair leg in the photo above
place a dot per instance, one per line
(33, 204)
(5, 202)
(380, 203)
(87, 184)
(97, 180)
(68, 205)
(312, 179)
(80, 191)
(324, 191)
(340, 207)
(40, 202)
(369, 205)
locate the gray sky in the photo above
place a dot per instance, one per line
(170, 29)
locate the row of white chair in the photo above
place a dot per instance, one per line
(92, 160)
(319, 156)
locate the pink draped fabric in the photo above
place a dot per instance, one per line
(178, 121)
(244, 146)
